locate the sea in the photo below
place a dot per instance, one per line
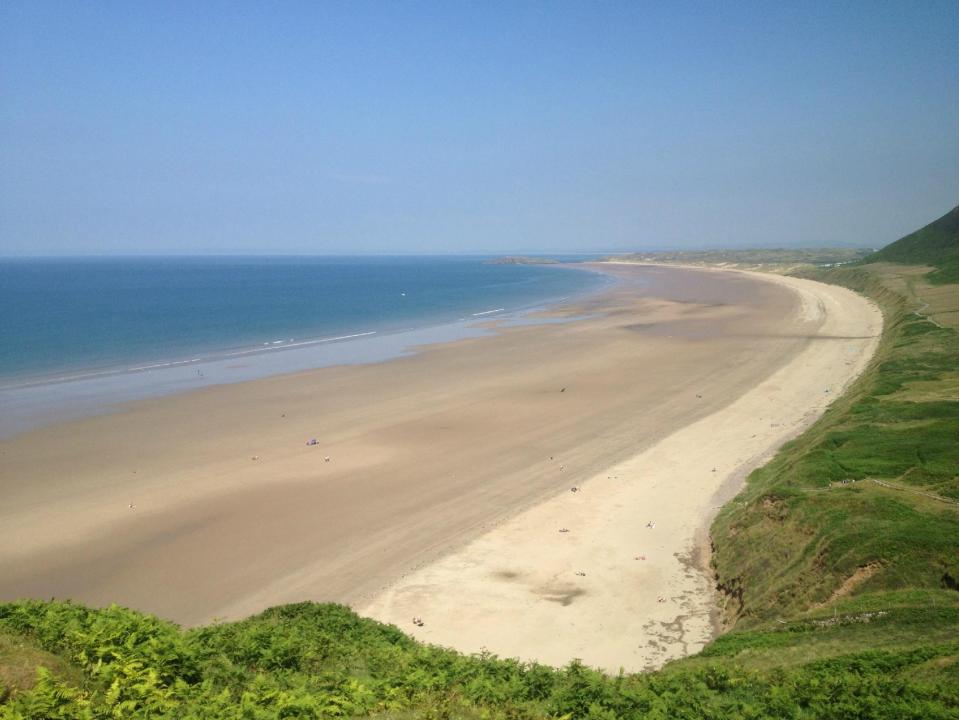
(79, 335)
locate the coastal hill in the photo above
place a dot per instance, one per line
(837, 565)
(936, 244)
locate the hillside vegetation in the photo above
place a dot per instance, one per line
(838, 564)
(868, 500)
(319, 661)
(937, 244)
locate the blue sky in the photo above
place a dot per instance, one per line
(318, 127)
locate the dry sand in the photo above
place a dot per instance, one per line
(447, 461)
(614, 573)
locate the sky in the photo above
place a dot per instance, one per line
(473, 127)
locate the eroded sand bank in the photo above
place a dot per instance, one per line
(428, 453)
(609, 573)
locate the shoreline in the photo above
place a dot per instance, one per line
(463, 597)
(210, 504)
(34, 402)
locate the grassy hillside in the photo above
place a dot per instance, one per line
(937, 244)
(319, 661)
(839, 564)
(868, 500)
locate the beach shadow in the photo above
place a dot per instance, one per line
(564, 594)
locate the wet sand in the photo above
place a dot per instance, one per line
(427, 453)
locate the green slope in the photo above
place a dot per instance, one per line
(868, 499)
(322, 661)
(936, 244)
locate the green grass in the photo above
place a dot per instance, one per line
(809, 519)
(936, 244)
(317, 661)
(21, 658)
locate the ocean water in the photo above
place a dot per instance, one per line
(66, 316)
(80, 334)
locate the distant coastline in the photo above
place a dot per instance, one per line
(522, 260)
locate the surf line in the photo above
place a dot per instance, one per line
(299, 344)
(55, 379)
(163, 364)
(488, 312)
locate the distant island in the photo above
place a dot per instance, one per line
(522, 260)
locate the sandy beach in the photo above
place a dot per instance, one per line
(614, 570)
(449, 474)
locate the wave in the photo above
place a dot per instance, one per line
(119, 370)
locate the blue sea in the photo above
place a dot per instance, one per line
(78, 333)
